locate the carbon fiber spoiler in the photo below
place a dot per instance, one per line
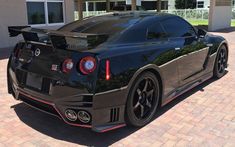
(59, 39)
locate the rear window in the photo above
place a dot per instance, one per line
(108, 26)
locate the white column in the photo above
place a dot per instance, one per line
(87, 9)
(87, 5)
(220, 15)
(94, 6)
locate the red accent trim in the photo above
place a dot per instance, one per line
(39, 100)
(53, 105)
(78, 125)
(113, 128)
(170, 99)
(107, 68)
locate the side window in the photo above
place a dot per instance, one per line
(133, 35)
(156, 32)
(177, 27)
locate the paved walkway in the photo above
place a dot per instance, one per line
(204, 116)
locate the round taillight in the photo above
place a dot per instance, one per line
(87, 65)
(67, 65)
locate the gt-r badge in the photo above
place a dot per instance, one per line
(54, 67)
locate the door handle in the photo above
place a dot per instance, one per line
(177, 48)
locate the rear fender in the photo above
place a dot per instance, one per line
(151, 68)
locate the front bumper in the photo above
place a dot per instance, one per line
(106, 109)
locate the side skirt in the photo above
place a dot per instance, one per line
(188, 87)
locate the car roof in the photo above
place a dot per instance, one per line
(128, 20)
(136, 14)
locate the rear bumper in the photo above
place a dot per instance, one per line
(106, 109)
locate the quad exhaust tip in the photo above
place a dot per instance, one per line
(71, 115)
(82, 116)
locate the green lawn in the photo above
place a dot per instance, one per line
(204, 22)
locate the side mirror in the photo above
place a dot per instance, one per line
(201, 33)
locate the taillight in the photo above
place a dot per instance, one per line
(87, 65)
(67, 65)
(107, 70)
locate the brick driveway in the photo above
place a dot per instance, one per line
(204, 116)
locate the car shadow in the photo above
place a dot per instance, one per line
(226, 30)
(204, 27)
(55, 128)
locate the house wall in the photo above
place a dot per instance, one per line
(152, 4)
(14, 13)
(69, 10)
(171, 4)
(206, 3)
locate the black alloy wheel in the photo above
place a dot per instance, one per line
(221, 62)
(142, 100)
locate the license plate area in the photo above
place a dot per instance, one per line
(34, 81)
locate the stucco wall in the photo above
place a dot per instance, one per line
(219, 16)
(14, 13)
(69, 10)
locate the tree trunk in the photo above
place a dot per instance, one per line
(133, 5)
(80, 9)
(107, 5)
(158, 5)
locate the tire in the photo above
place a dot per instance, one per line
(142, 100)
(221, 62)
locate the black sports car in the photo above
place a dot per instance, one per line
(108, 71)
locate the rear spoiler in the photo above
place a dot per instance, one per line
(59, 39)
